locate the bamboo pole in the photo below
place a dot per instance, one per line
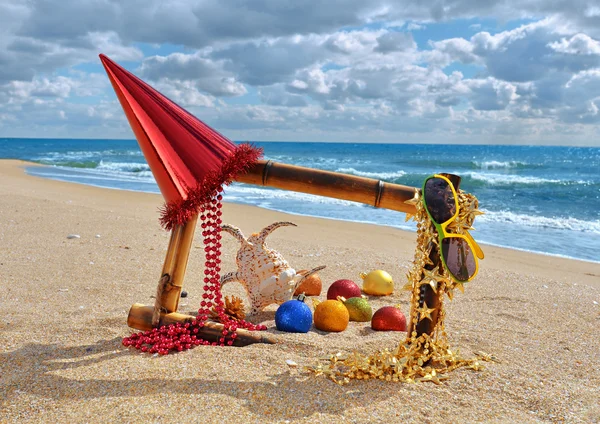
(178, 252)
(331, 184)
(140, 318)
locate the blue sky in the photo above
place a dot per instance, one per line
(460, 71)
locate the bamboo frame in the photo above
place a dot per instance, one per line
(174, 267)
(331, 184)
(287, 177)
(141, 315)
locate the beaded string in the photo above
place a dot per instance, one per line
(178, 337)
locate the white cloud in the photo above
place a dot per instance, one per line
(451, 50)
(491, 94)
(580, 44)
(184, 93)
(207, 75)
(395, 41)
(308, 64)
(277, 96)
(413, 26)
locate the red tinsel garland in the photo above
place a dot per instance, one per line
(178, 213)
(204, 199)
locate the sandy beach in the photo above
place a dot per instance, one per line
(65, 303)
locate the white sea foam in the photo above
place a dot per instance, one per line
(112, 171)
(378, 175)
(571, 224)
(252, 194)
(509, 179)
(494, 164)
(91, 176)
(129, 167)
(83, 155)
(316, 162)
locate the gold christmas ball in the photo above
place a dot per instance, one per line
(331, 316)
(311, 286)
(377, 283)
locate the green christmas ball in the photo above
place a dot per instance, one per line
(359, 309)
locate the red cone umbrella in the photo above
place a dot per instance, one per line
(189, 160)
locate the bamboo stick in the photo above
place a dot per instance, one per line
(331, 184)
(175, 265)
(140, 318)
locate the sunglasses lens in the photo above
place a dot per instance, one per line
(439, 199)
(459, 258)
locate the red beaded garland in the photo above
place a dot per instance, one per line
(179, 337)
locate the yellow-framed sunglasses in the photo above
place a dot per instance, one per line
(459, 252)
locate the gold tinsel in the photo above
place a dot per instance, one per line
(424, 357)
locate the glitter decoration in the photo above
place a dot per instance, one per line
(377, 283)
(421, 357)
(389, 318)
(294, 316)
(359, 309)
(331, 315)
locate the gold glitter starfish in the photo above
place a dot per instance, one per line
(425, 312)
(433, 277)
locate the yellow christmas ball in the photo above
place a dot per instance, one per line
(377, 283)
(331, 316)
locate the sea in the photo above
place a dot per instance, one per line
(542, 199)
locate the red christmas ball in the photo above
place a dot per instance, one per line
(344, 288)
(388, 318)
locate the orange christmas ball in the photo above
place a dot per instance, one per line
(331, 316)
(388, 318)
(311, 286)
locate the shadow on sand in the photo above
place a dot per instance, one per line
(38, 363)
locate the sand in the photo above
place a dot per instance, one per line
(65, 302)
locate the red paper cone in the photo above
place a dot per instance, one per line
(189, 160)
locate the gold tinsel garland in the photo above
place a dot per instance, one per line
(424, 357)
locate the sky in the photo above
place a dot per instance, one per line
(416, 71)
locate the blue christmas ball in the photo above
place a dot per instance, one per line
(293, 316)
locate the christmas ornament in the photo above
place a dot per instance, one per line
(377, 283)
(294, 316)
(388, 318)
(331, 315)
(264, 273)
(311, 286)
(344, 288)
(359, 309)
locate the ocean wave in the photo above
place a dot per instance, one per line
(494, 164)
(133, 167)
(512, 179)
(113, 171)
(377, 175)
(316, 162)
(83, 177)
(251, 194)
(85, 154)
(570, 224)
(69, 164)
